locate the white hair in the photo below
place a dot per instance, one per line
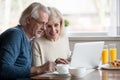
(32, 11)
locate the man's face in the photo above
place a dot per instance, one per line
(37, 26)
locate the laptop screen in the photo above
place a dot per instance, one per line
(87, 54)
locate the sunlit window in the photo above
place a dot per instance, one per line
(83, 15)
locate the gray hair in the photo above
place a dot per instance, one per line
(32, 11)
(55, 13)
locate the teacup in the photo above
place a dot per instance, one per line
(62, 68)
(77, 72)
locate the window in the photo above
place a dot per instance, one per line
(85, 16)
(10, 12)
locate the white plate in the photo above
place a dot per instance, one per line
(109, 67)
(58, 74)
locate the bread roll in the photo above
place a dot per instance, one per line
(115, 63)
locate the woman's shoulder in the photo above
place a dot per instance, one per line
(65, 38)
(39, 40)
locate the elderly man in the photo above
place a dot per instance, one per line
(15, 48)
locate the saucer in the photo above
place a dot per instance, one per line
(59, 74)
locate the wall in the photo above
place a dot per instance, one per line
(108, 40)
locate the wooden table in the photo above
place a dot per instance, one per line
(95, 75)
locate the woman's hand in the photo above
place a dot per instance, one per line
(61, 61)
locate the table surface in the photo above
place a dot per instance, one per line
(94, 75)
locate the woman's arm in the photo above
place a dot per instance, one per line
(36, 54)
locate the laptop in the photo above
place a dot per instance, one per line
(87, 54)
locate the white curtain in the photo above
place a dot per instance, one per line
(114, 29)
(118, 17)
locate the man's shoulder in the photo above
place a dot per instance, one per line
(13, 31)
(16, 29)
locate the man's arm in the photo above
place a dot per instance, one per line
(9, 51)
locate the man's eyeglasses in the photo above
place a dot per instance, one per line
(39, 22)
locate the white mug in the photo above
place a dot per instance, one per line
(77, 72)
(62, 68)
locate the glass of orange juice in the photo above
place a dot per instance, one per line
(105, 55)
(113, 52)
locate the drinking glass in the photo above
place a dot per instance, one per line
(113, 52)
(105, 55)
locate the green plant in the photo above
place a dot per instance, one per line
(66, 23)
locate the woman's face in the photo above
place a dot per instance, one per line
(53, 29)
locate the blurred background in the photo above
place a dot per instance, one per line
(85, 16)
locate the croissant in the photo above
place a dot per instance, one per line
(115, 63)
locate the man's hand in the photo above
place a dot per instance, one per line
(47, 67)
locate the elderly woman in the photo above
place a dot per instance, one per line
(53, 45)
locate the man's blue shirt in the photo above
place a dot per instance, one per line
(15, 54)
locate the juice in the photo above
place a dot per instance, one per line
(105, 56)
(113, 54)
